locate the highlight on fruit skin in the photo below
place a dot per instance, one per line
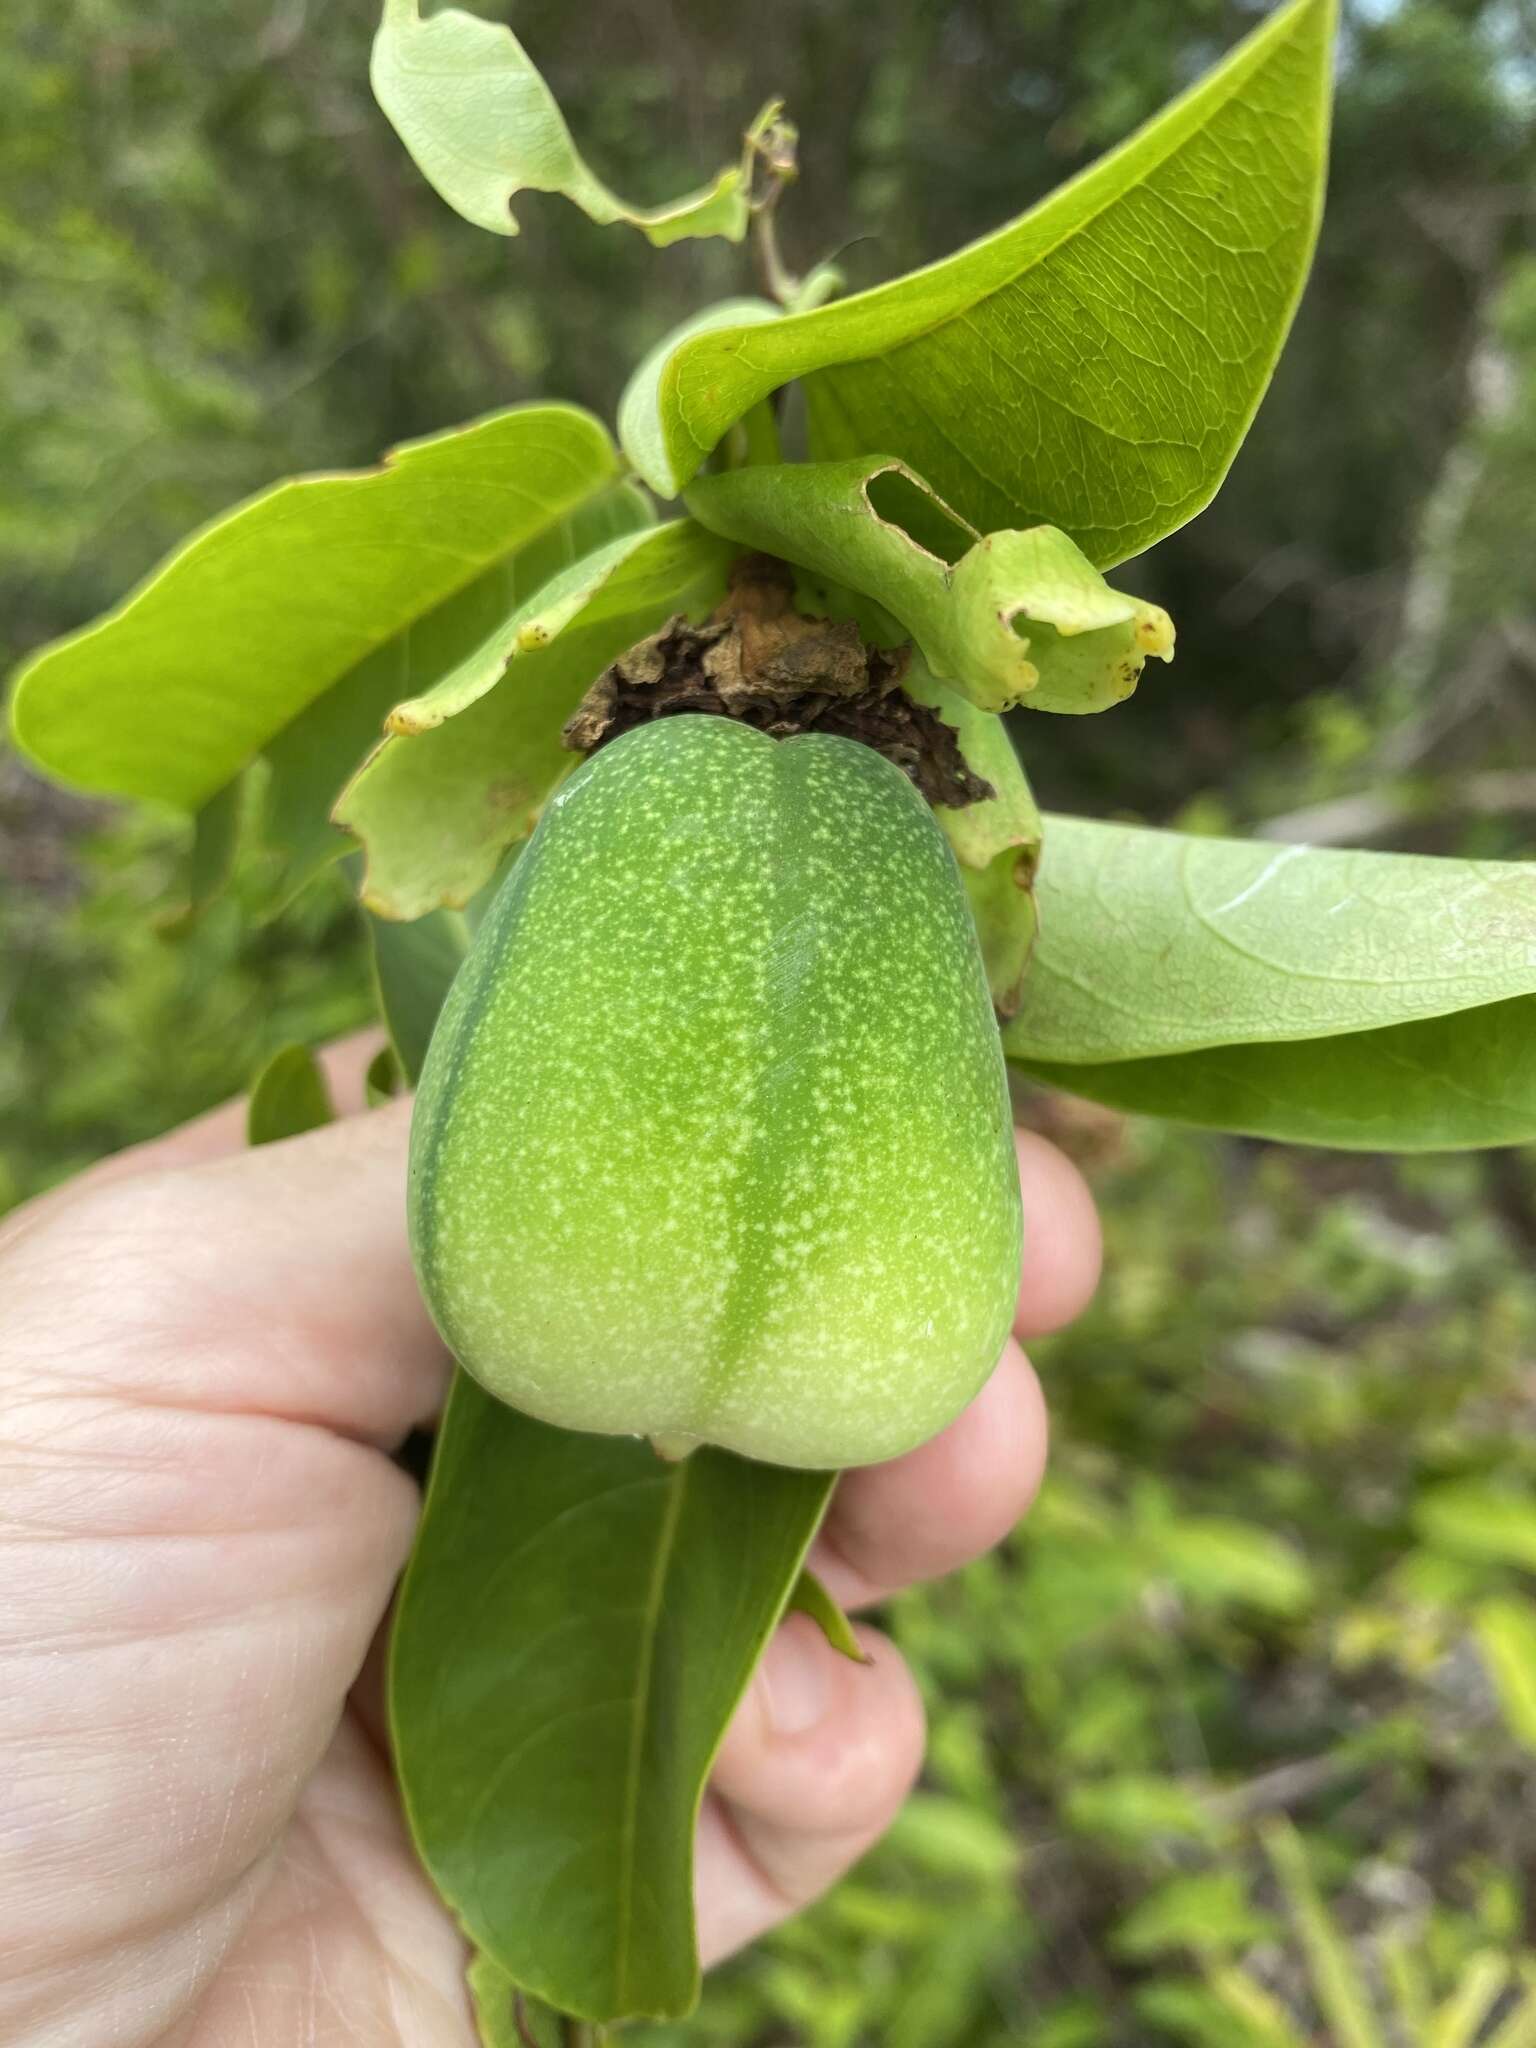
(713, 1142)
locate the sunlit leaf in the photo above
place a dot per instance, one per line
(1134, 1808)
(1506, 1635)
(1336, 1981)
(1093, 365)
(310, 761)
(1207, 1913)
(1460, 2021)
(1007, 618)
(483, 126)
(247, 623)
(436, 808)
(1216, 1559)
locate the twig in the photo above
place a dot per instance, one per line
(1375, 815)
(525, 2032)
(770, 147)
(1276, 1791)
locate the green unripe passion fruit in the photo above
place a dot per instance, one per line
(713, 1142)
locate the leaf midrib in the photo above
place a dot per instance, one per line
(1241, 77)
(629, 1817)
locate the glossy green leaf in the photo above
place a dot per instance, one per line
(1093, 365)
(483, 126)
(311, 760)
(1197, 979)
(1439, 1084)
(288, 1096)
(414, 965)
(576, 1626)
(997, 843)
(257, 615)
(1008, 618)
(810, 1597)
(437, 808)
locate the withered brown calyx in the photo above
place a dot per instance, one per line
(757, 659)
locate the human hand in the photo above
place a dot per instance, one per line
(208, 1356)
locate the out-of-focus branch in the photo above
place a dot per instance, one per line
(1380, 814)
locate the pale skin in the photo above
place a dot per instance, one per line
(207, 1356)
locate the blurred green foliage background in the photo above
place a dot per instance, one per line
(1236, 1742)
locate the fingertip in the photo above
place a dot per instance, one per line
(814, 1769)
(1063, 1240)
(948, 1501)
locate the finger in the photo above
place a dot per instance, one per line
(276, 1282)
(214, 1135)
(1063, 1246)
(222, 1131)
(944, 1503)
(813, 1770)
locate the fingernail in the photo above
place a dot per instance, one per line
(797, 1683)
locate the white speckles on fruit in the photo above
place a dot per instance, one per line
(713, 1139)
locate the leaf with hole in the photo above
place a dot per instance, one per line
(1007, 618)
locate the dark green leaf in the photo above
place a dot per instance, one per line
(1093, 365)
(576, 1626)
(811, 1597)
(288, 1096)
(211, 861)
(415, 965)
(384, 1078)
(1438, 1084)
